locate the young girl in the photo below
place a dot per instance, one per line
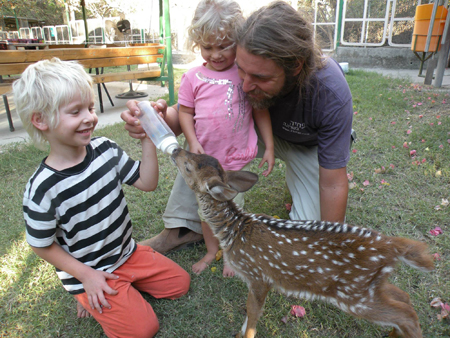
(214, 114)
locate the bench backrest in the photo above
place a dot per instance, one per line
(16, 61)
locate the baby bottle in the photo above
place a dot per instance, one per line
(157, 129)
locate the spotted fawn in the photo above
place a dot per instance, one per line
(347, 266)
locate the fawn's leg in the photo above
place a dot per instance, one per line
(256, 298)
(391, 307)
(396, 293)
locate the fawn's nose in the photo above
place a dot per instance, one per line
(176, 152)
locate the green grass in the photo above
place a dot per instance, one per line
(400, 200)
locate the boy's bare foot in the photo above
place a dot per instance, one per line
(82, 312)
(227, 271)
(203, 263)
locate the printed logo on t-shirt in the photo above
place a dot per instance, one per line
(295, 127)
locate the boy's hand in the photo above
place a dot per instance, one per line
(96, 286)
(268, 158)
(132, 123)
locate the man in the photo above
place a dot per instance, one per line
(310, 106)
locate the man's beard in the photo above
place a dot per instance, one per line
(269, 100)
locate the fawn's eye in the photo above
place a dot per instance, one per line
(186, 167)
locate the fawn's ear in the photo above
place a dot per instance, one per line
(220, 191)
(241, 180)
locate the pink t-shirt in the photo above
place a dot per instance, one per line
(223, 117)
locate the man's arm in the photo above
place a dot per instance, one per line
(333, 187)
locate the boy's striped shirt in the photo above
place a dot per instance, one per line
(83, 209)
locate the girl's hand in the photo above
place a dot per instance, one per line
(95, 286)
(196, 148)
(161, 107)
(268, 158)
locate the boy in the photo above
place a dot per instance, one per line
(75, 211)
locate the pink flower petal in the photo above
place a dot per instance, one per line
(366, 183)
(298, 311)
(436, 231)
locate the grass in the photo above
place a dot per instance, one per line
(400, 175)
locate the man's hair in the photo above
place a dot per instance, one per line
(279, 33)
(217, 19)
(44, 87)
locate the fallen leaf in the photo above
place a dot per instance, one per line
(444, 202)
(276, 216)
(298, 311)
(219, 255)
(352, 185)
(436, 302)
(284, 319)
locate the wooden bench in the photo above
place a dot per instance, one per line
(14, 62)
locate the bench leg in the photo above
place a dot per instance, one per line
(8, 113)
(99, 87)
(107, 93)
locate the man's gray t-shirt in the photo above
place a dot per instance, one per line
(321, 115)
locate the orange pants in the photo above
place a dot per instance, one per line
(131, 315)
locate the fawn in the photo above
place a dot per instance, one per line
(347, 266)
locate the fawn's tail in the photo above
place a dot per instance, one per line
(414, 253)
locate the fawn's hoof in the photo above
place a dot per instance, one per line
(173, 240)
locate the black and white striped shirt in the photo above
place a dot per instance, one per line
(83, 209)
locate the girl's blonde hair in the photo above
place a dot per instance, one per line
(44, 87)
(216, 19)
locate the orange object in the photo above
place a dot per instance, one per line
(422, 24)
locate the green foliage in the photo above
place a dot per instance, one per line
(404, 199)
(49, 11)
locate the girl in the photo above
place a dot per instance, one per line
(214, 114)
